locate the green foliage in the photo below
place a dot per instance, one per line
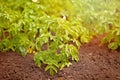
(26, 26)
(101, 16)
(97, 15)
(55, 29)
(113, 38)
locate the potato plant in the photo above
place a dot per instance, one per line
(97, 15)
(53, 30)
(28, 26)
(113, 35)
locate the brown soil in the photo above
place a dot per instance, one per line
(96, 63)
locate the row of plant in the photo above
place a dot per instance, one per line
(46, 30)
(100, 17)
(54, 30)
(113, 35)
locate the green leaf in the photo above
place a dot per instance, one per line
(23, 51)
(47, 67)
(51, 72)
(113, 45)
(52, 69)
(116, 32)
(37, 59)
(84, 38)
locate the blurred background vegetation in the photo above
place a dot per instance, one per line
(97, 15)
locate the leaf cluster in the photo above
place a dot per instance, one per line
(45, 28)
(113, 38)
(97, 15)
